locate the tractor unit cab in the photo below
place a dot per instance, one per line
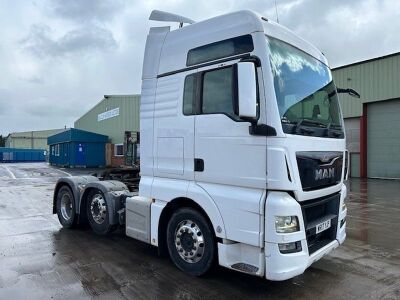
(242, 150)
(241, 116)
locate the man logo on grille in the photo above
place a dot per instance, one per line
(324, 173)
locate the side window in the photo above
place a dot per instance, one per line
(219, 92)
(234, 46)
(189, 93)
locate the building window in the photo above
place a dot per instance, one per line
(57, 150)
(52, 150)
(119, 150)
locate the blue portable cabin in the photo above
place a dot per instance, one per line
(77, 148)
(11, 155)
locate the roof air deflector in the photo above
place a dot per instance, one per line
(158, 15)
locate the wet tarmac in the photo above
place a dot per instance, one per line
(40, 260)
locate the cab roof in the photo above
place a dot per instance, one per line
(177, 43)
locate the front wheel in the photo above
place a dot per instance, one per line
(191, 243)
(98, 213)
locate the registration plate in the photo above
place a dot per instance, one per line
(323, 226)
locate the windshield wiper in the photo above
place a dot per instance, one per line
(298, 124)
(333, 129)
(312, 122)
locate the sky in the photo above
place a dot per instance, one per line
(58, 58)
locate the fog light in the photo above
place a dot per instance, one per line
(342, 222)
(286, 224)
(343, 206)
(290, 247)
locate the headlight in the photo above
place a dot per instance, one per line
(286, 224)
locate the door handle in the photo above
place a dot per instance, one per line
(198, 165)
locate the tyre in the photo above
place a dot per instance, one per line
(98, 213)
(191, 242)
(66, 207)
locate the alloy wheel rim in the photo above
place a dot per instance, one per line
(98, 208)
(66, 207)
(189, 241)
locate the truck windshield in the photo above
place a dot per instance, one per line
(305, 92)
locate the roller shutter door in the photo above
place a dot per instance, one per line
(383, 139)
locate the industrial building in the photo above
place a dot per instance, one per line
(30, 139)
(372, 122)
(116, 116)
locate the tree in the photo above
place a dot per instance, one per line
(2, 141)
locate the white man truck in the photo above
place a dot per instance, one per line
(242, 152)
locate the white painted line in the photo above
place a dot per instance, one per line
(11, 173)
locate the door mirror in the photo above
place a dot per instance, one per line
(247, 90)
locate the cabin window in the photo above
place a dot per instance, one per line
(189, 93)
(234, 46)
(219, 91)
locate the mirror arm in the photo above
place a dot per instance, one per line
(252, 58)
(351, 92)
(262, 130)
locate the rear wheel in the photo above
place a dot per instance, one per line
(191, 243)
(98, 213)
(66, 207)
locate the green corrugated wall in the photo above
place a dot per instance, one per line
(30, 139)
(115, 127)
(377, 79)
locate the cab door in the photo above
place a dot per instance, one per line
(225, 152)
(229, 164)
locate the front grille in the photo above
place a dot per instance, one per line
(319, 169)
(315, 212)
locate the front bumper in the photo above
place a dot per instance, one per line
(284, 266)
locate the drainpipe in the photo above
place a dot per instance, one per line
(363, 142)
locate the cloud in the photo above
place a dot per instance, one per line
(5, 105)
(82, 40)
(34, 79)
(59, 57)
(86, 10)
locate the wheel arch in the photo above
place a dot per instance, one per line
(106, 187)
(166, 214)
(74, 183)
